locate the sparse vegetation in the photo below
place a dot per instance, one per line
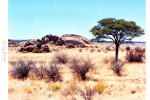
(136, 55)
(80, 50)
(91, 50)
(61, 57)
(40, 71)
(81, 66)
(52, 71)
(27, 89)
(56, 87)
(88, 93)
(117, 66)
(100, 87)
(21, 68)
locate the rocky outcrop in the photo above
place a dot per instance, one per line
(39, 45)
(75, 39)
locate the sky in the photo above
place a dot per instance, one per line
(33, 19)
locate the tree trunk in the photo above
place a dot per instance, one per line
(117, 49)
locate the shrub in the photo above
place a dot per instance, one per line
(61, 57)
(88, 93)
(91, 50)
(117, 66)
(40, 71)
(136, 55)
(81, 66)
(100, 87)
(127, 48)
(98, 50)
(106, 60)
(56, 86)
(22, 68)
(80, 50)
(52, 71)
(108, 48)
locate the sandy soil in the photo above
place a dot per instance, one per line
(130, 86)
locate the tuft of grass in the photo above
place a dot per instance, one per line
(27, 89)
(34, 83)
(56, 87)
(100, 87)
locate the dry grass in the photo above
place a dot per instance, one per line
(131, 86)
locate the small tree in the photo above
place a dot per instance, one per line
(116, 30)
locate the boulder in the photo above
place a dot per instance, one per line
(45, 48)
(75, 39)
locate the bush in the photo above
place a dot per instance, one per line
(127, 48)
(100, 87)
(108, 48)
(117, 67)
(81, 66)
(88, 94)
(80, 50)
(52, 71)
(61, 57)
(21, 68)
(91, 50)
(40, 72)
(98, 50)
(136, 55)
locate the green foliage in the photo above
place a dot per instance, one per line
(116, 30)
(56, 86)
(111, 28)
(100, 87)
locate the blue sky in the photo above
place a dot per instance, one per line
(32, 19)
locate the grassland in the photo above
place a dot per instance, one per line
(130, 86)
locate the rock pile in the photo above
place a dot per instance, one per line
(39, 45)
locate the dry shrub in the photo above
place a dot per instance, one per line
(81, 66)
(127, 48)
(10, 90)
(21, 68)
(88, 93)
(106, 60)
(136, 55)
(61, 57)
(40, 71)
(98, 50)
(91, 50)
(108, 48)
(52, 71)
(117, 66)
(80, 50)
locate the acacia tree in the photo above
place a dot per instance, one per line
(116, 30)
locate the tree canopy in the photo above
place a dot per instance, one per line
(116, 30)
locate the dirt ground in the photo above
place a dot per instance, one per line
(130, 86)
